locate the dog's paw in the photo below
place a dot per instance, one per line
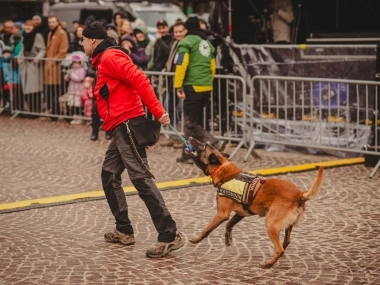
(194, 240)
(265, 265)
(228, 242)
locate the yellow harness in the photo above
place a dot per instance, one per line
(243, 189)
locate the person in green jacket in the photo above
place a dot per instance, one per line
(193, 81)
(143, 41)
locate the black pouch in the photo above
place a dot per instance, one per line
(145, 132)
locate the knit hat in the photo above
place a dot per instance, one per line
(192, 23)
(95, 30)
(7, 49)
(76, 58)
(37, 15)
(18, 25)
(111, 27)
(128, 38)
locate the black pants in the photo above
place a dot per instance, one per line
(34, 102)
(52, 92)
(193, 112)
(120, 156)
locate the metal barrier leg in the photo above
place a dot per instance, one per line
(241, 143)
(14, 115)
(251, 151)
(375, 169)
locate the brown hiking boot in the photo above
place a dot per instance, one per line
(161, 249)
(116, 236)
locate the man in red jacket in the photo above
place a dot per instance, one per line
(120, 91)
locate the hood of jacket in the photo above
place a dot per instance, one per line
(108, 42)
(128, 38)
(143, 29)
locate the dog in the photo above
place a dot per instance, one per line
(280, 201)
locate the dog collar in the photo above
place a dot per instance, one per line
(218, 168)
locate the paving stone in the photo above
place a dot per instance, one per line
(336, 243)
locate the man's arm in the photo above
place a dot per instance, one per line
(122, 68)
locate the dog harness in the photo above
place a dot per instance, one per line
(243, 189)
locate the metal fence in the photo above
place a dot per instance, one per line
(50, 94)
(221, 112)
(337, 116)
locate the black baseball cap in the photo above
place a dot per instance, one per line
(162, 23)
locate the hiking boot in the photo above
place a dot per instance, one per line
(178, 145)
(94, 135)
(116, 236)
(161, 249)
(184, 160)
(220, 145)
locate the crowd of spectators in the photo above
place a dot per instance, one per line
(33, 72)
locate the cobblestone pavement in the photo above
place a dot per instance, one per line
(338, 242)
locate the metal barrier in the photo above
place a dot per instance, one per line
(49, 97)
(40, 89)
(334, 115)
(219, 116)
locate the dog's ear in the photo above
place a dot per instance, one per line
(214, 160)
(225, 155)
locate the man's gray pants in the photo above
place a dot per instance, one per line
(120, 156)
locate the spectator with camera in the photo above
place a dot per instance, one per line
(281, 20)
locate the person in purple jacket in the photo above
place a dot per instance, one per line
(137, 54)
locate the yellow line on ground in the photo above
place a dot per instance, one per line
(178, 183)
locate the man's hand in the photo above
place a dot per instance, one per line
(164, 120)
(180, 94)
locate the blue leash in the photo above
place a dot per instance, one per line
(189, 146)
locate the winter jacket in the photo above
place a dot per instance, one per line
(195, 65)
(32, 74)
(161, 52)
(148, 44)
(75, 78)
(281, 20)
(137, 54)
(56, 50)
(121, 89)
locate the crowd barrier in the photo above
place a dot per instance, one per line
(53, 100)
(334, 115)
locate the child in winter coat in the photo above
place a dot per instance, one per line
(11, 79)
(75, 76)
(87, 96)
(137, 54)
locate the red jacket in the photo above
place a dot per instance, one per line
(121, 89)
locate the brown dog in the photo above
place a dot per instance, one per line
(280, 201)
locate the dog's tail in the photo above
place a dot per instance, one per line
(313, 192)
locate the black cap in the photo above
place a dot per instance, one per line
(162, 23)
(95, 30)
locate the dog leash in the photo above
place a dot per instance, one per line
(188, 146)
